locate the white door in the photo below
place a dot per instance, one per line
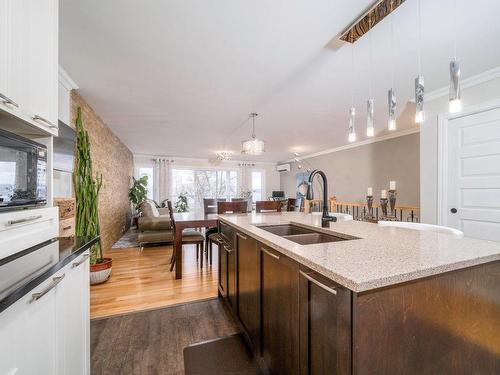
(72, 314)
(473, 184)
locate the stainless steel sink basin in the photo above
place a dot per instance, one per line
(303, 236)
(285, 229)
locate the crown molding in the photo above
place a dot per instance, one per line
(486, 76)
(385, 137)
(66, 80)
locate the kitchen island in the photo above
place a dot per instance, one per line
(376, 300)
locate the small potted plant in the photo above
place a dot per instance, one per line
(181, 205)
(87, 187)
(137, 194)
(247, 195)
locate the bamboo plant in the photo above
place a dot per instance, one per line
(87, 189)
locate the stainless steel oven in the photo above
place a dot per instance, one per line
(23, 172)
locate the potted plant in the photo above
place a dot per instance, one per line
(247, 195)
(181, 205)
(87, 187)
(137, 194)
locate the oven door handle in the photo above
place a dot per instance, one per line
(24, 220)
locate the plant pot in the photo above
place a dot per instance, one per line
(100, 272)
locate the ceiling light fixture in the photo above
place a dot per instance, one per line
(391, 95)
(253, 146)
(419, 81)
(455, 104)
(224, 155)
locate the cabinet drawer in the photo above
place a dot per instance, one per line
(228, 232)
(67, 227)
(22, 229)
(67, 207)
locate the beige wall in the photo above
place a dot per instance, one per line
(114, 161)
(351, 171)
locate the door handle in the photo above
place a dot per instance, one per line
(453, 210)
(9, 101)
(316, 282)
(45, 121)
(84, 258)
(24, 220)
(55, 281)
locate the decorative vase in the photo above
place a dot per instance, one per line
(100, 272)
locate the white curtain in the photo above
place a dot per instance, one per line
(162, 178)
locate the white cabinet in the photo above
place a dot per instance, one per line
(29, 61)
(27, 334)
(73, 319)
(51, 333)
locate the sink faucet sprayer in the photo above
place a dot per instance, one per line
(325, 218)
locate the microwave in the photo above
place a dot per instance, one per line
(23, 172)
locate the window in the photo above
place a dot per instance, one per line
(148, 172)
(257, 186)
(203, 183)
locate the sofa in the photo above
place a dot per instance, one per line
(154, 225)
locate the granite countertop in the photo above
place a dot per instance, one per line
(29, 268)
(382, 256)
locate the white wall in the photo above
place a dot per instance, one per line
(271, 177)
(479, 93)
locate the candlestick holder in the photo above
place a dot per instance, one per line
(369, 203)
(392, 202)
(383, 206)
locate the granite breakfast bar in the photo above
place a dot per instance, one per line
(376, 300)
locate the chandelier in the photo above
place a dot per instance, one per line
(253, 146)
(223, 155)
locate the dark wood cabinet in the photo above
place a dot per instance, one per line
(280, 313)
(248, 270)
(325, 326)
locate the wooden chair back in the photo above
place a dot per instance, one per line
(290, 204)
(237, 199)
(210, 205)
(268, 206)
(235, 207)
(171, 212)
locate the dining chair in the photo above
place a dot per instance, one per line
(290, 204)
(421, 227)
(237, 199)
(189, 237)
(210, 207)
(233, 207)
(268, 206)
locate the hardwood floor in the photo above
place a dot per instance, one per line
(152, 342)
(142, 281)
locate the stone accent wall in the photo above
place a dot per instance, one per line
(114, 161)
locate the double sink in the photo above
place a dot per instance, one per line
(303, 236)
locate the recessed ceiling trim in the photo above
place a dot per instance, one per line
(376, 13)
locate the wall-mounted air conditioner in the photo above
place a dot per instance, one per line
(283, 168)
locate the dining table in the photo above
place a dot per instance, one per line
(185, 220)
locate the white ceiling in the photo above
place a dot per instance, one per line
(180, 77)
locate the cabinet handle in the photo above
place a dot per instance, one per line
(24, 220)
(222, 223)
(314, 281)
(228, 249)
(55, 281)
(84, 259)
(6, 100)
(47, 122)
(241, 236)
(270, 254)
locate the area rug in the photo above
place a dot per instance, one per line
(129, 239)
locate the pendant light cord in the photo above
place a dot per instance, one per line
(419, 37)
(455, 16)
(352, 74)
(371, 56)
(393, 55)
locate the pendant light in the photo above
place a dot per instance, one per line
(253, 146)
(391, 96)
(419, 81)
(352, 111)
(455, 104)
(224, 155)
(370, 131)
